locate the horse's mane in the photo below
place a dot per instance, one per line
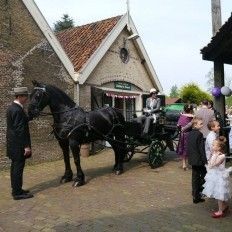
(60, 95)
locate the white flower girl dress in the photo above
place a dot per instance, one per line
(217, 182)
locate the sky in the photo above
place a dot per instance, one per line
(172, 32)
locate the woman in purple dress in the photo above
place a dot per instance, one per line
(184, 125)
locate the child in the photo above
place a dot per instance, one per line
(214, 127)
(217, 183)
(196, 158)
(183, 122)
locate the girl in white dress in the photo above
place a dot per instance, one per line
(217, 184)
(214, 128)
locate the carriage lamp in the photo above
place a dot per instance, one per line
(162, 120)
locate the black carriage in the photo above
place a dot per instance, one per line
(160, 137)
(73, 126)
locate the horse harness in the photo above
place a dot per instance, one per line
(86, 124)
(70, 127)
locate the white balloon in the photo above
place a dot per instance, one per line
(226, 91)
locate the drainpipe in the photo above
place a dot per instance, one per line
(77, 93)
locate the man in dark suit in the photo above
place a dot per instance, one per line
(18, 142)
(197, 158)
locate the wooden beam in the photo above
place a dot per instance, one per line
(216, 15)
(219, 82)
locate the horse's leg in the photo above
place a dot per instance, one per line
(68, 174)
(119, 151)
(80, 179)
(115, 155)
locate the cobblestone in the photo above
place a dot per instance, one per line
(141, 199)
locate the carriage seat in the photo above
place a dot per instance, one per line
(133, 128)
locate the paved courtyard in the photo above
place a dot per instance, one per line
(142, 199)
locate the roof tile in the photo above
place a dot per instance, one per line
(81, 42)
(172, 100)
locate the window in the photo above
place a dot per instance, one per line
(124, 55)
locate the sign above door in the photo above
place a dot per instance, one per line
(122, 85)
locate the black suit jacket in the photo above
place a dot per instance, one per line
(17, 135)
(196, 148)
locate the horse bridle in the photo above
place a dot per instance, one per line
(44, 92)
(37, 106)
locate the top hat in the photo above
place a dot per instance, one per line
(20, 91)
(153, 90)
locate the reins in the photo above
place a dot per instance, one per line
(105, 137)
(58, 112)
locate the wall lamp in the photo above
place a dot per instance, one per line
(131, 37)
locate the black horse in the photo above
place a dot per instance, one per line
(73, 126)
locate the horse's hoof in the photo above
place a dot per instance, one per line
(65, 179)
(114, 167)
(118, 172)
(78, 183)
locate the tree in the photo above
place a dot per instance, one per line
(174, 91)
(65, 23)
(191, 93)
(210, 80)
(229, 101)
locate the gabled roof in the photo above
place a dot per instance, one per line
(172, 100)
(48, 33)
(81, 42)
(220, 45)
(86, 53)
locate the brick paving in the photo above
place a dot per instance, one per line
(142, 199)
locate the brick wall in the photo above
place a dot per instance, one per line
(25, 55)
(85, 97)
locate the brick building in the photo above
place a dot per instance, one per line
(95, 64)
(111, 64)
(30, 51)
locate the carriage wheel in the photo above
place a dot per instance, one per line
(155, 154)
(130, 153)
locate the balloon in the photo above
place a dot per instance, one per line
(216, 92)
(226, 91)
